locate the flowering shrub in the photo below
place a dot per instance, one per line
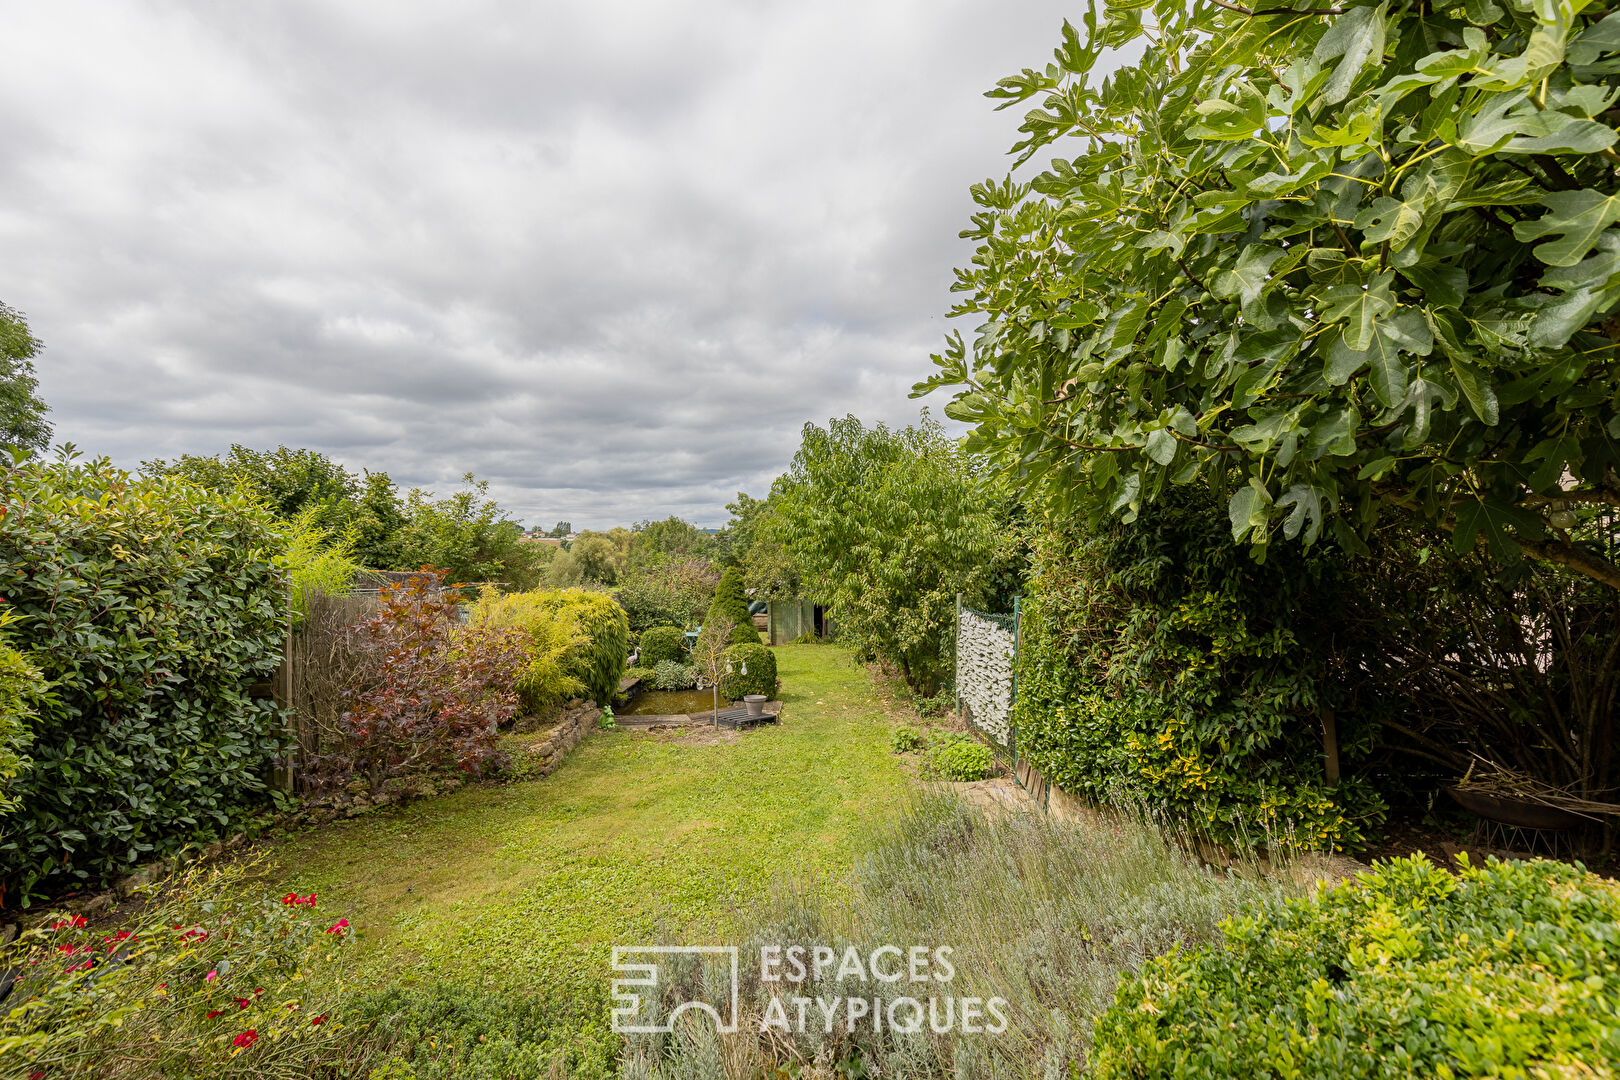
(441, 692)
(215, 979)
(1511, 969)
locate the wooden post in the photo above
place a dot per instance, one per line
(1330, 746)
(284, 779)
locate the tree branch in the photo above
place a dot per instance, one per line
(1582, 562)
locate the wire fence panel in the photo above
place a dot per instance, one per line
(984, 672)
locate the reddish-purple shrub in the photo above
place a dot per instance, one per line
(439, 691)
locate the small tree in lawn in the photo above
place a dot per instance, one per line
(709, 655)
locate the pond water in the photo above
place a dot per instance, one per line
(669, 703)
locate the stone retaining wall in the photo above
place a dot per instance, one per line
(578, 720)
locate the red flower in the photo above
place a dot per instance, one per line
(242, 1003)
(338, 927)
(318, 1021)
(36, 1074)
(290, 898)
(213, 1014)
(246, 1039)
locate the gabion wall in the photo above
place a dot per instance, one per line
(984, 653)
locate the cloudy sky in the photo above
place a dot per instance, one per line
(608, 255)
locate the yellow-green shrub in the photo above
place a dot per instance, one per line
(1512, 969)
(580, 641)
(549, 677)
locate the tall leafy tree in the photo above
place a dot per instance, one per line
(886, 527)
(1333, 259)
(22, 414)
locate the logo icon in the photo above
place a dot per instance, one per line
(642, 966)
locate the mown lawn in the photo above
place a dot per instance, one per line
(526, 886)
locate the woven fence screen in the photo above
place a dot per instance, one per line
(984, 673)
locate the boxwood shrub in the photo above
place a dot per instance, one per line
(663, 643)
(1510, 969)
(152, 606)
(761, 676)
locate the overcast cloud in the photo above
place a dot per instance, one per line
(608, 255)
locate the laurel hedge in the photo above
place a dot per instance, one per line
(152, 607)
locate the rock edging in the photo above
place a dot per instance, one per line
(578, 720)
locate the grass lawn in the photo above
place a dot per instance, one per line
(526, 886)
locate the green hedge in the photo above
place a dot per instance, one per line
(599, 662)
(663, 643)
(730, 604)
(1512, 969)
(21, 687)
(153, 606)
(1159, 664)
(761, 676)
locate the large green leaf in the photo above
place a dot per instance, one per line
(1358, 307)
(1576, 218)
(1355, 39)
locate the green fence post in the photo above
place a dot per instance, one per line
(1012, 702)
(956, 655)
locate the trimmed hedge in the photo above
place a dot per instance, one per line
(663, 643)
(731, 605)
(20, 687)
(153, 606)
(1511, 969)
(761, 676)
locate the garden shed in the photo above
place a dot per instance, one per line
(789, 620)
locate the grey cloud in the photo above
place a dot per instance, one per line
(610, 256)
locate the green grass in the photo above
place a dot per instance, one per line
(526, 886)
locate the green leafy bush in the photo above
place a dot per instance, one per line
(580, 641)
(1511, 969)
(956, 757)
(20, 687)
(316, 559)
(663, 643)
(731, 606)
(904, 740)
(214, 978)
(551, 673)
(153, 606)
(758, 678)
(1159, 664)
(600, 661)
(674, 675)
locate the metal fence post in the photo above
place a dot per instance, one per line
(956, 655)
(1012, 710)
